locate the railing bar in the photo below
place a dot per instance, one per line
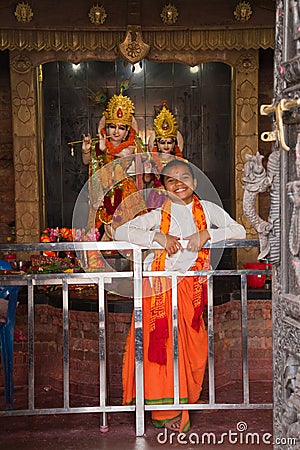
(30, 345)
(210, 331)
(245, 338)
(66, 357)
(102, 351)
(175, 338)
(199, 407)
(138, 328)
(102, 245)
(109, 409)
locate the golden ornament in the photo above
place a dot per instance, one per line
(165, 125)
(119, 110)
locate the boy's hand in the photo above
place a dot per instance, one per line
(169, 242)
(197, 240)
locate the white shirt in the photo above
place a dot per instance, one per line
(141, 231)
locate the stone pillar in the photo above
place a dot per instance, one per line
(25, 145)
(245, 134)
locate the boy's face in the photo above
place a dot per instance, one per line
(180, 184)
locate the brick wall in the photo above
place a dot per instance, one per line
(84, 366)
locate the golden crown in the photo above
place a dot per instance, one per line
(119, 110)
(165, 125)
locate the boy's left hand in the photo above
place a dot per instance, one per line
(197, 240)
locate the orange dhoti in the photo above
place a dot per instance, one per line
(158, 378)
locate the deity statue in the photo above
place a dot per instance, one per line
(114, 195)
(165, 143)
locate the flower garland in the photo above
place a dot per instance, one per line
(69, 234)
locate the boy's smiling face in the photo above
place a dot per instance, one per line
(180, 184)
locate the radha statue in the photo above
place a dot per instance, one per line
(165, 143)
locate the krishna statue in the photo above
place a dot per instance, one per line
(115, 170)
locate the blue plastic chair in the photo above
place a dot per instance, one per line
(9, 293)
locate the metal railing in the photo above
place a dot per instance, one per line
(136, 274)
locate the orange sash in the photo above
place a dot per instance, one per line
(158, 318)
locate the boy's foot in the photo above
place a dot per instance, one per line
(173, 424)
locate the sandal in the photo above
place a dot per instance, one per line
(174, 424)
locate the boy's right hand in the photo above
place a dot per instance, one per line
(169, 242)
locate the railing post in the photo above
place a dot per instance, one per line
(138, 324)
(175, 338)
(30, 345)
(102, 353)
(66, 357)
(245, 338)
(210, 332)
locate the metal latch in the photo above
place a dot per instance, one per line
(265, 110)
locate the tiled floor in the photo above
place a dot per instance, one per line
(81, 431)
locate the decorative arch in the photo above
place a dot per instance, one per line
(24, 90)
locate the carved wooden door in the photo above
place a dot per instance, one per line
(284, 238)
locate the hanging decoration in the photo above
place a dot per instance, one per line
(243, 12)
(133, 48)
(23, 12)
(97, 15)
(169, 14)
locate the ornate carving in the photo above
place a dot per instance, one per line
(26, 168)
(256, 180)
(21, 63)
(291, 378)
(97, 15)
(292, 307)
(293, 189)
(243, 12)
(133, 48)
(169, 14)
(23, 102)
(278, 51)
(27, 226)
(286, 373)
(23, 12)
(179, 40)
(273, 169)
(247, 102)
(246, 63)
(290, 70)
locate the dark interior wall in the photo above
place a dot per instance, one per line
(7, 203)
(200, 101)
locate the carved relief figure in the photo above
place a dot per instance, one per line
(256, 180)
(293, 188)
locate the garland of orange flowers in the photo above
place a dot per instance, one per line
(115, 150)
(158, 320)
(158, 162)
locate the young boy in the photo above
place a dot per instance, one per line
(182, 218)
